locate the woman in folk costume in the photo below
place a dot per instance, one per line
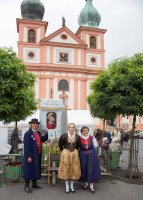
(32, 155)
(69, 168)
(90, 166)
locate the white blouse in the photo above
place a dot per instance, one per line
(94, 139)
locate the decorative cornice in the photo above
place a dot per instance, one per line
(83, 28)
(29, 21)
(69, 45)
(85, 70)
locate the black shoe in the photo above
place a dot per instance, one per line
(92, 190)
(27, 189)
(84, 187)
(36, 186)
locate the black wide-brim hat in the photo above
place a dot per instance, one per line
(34, 120)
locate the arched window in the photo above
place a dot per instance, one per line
(31, 36)
(63, 85)
(93, 42)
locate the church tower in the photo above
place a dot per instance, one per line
(89, 31)
(31, 30)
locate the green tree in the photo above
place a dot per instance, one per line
(17, 96)
(98, 99)
(122, 94)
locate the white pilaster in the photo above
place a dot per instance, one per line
(79, 56)
(87, 40)
(48, 55)
(98, 42)
(38, 35)
(25, 33)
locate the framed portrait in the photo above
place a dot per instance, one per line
(51, 120)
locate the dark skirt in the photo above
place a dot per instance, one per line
(90, 166)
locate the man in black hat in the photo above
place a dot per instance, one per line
(32, 155)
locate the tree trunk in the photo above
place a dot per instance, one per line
(104, 125)
(15, 139)
(133, 153)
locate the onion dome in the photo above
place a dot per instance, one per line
(32, 9)
(89, 16)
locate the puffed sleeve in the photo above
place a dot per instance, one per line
(61, 142)
(78, 141)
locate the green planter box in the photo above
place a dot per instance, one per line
(13, 171)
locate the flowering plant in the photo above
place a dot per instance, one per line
(54, 150)
(47, 148)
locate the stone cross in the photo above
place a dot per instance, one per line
(63, 97)
(63, 21)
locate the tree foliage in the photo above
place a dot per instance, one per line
(99, 98)
(17, 96)
(119, 90)
(126, 85)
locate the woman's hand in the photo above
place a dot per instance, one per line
(29, 160)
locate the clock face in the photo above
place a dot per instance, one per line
(63, 57)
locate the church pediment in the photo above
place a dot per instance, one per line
(63, 36)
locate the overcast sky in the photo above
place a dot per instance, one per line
(123, 20)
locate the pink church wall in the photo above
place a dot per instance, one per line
(42, 87)
(43, 54)
(75, 56)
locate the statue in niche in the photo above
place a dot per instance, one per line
(64, 97)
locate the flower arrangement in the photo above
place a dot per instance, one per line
(53, 148)
(54, 151)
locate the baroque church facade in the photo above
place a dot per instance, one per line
(64, 62)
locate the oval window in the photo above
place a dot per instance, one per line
(64, 36)
(93, 60)
(31, 54)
